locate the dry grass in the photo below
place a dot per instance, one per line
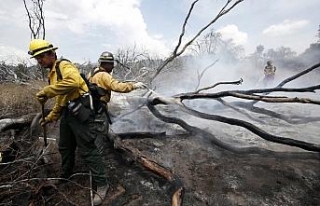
(17, 100)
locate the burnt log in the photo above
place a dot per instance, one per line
(15, 123)
(154, 167)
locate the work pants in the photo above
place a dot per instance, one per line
(100, 131)
(73, 134)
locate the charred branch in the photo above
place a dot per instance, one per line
(292, 119)
(219, 83)
(140, 135)
(154, 167)
(293, 78)
(245, 94)
(248, 150)
(239, 110)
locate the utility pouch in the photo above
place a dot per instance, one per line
(77, 109)
(87, 101)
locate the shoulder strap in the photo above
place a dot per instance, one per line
(95, 72)
(85, 80)
(59, 74)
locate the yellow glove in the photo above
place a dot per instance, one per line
(41, 97)
(44, 121)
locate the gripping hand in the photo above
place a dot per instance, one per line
(41, 97)
(139, 85)
(44, 121)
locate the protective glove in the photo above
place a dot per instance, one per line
(41, 97)
(139, 85)
(44, 121)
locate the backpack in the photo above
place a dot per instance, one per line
(95, 91)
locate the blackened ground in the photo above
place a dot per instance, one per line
(211, 177)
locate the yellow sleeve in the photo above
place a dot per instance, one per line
(112, 84)
(56, 110)
(70, 83)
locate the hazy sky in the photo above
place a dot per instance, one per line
(82, 29)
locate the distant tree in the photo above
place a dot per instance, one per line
(208, 44)
(134, 64)
(212, 44)
(85, 67)
(259, 50)
(258, 56)
(311, 54)
(280, 54)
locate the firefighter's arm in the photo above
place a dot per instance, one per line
(70, 81)
(115, 85)
(55, 112)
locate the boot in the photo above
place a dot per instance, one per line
(101, 194)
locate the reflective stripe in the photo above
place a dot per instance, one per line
(40, 49)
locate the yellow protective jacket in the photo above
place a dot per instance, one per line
(107, 82)
(69, 88)
(269, 70)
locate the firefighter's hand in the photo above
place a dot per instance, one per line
(44, 121)
(139, 85)
(41, 97)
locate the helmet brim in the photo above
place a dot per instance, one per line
(42, 51)
(106, 61)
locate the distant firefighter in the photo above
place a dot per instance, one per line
(269, 73)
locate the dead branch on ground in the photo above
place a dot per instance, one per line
(238, 150)
(289, 79)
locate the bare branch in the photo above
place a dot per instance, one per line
(36, 20)
(33, 35)
(219, 83)
(200, 75)
(184, 28)
(177, 53)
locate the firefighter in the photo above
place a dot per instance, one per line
(103, 78)
(269, 73)
(77, 129)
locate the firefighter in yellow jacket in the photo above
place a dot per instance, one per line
(269, 73)
(103, 78)
(77, 123)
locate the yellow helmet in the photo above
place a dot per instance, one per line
(39, 46)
